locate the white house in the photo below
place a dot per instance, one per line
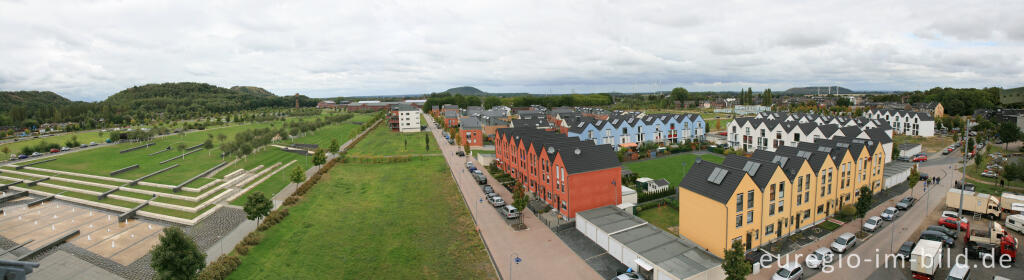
(905, 122)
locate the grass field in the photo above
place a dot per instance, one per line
(663, 217)
(384, 142)
(668, 167)
(928, 144)
(362, 222)
(83, 138)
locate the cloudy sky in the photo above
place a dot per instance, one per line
(87, 50)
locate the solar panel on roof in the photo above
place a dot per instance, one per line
(780, 160)
(721, 175)
(714, 175)
(825, 149)
(751, 167)
(843, 145)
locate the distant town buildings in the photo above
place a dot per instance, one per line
(404, 118)
(905, 122)
(633, 129)
(770, 131)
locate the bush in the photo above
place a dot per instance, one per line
(252, 239)
(847, 212)
(221, 268)
(643, 196)
(292, 200)
(242, 249)
(273, 218)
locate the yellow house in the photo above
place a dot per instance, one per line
(802, 186)
(776, 196)
(719, 205)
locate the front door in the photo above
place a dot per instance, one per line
(748, 241)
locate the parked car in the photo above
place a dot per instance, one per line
(789, 271)
(947, 150)
(959, 272)
(942, 229)
(460, 153)
(920, 158)
(36, 154)
(938, 236)
(469, 165)
(489, 195)
(510, 212)
(872, 224)
(64, 149)
(628, 276)
(22, 156)
(950, 222)
(54, 151)
(1015, 222)
(905, 250)
(819, 257)
(92, 143)
(889, 213)
(83, 146)
(905, 203)
(844, 242)
(989, 173)
(496, 201)
(488, 189)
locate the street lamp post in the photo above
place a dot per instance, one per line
(513, 258)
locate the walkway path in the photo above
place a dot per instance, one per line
(543, 254)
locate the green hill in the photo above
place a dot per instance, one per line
(199, 97)
(815, 90)
(466, 90)
(10, 99)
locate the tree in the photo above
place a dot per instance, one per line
(257, 206)
(334, 147)
(863, 202)
(680, 94)
(181, 148)
(5, 150)
(221, 137)
(896, 151)
(735, 264)
(426, 138)
(208, 145)
(914, 176)
(518, 198)
(297, 175)
(177, 256)
(1008, 132)
(319, 157)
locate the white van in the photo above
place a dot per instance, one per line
(1015, 222)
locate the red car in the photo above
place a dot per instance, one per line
(723, 133)
(950, 223)
(920, 158)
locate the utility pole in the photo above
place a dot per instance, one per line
(963, 180)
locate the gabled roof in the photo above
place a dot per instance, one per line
(878, 135)
(696, 180)
(813, 157)
(451, 115)
(578, 156)
(470, 123)
(790, 164)
(761, 172)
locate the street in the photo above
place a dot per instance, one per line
(542, 255)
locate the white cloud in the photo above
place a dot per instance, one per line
(88, 50)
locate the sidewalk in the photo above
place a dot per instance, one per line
(543, 254)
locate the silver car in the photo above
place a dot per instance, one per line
(789, 271)
(510, 212)
(843, 243)
(872, 224)
(889, 213)
(819, 257)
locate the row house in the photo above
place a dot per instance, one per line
(905, 122)
(656, 128)
(564, 172)
(451, 118)
(769, 132)
(771, 195)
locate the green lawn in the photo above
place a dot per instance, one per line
(384, 142)
(928, 144)
(343, 131)
(83, 138)
(362, 222)
(668, 167)
(663, 217)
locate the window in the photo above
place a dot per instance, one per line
(750, 217)
(821, 208)
(739, 202)
(781, 203)
(750, 199)
(782, 190)
(771, 193)
(739, 218)
(771, 209)
(807, 213)
(769, 230)
(798, 201)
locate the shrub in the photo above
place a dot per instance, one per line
(221, 268)
(292, 200)
(847, 212)
(242, 249)
(252, 239)
(273, 218)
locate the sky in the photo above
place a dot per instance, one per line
(88, 50)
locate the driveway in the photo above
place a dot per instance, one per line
(542, 254)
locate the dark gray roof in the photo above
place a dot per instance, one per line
(813, 157)
(451, 115)
(468, 123)
(790, 163)
(762, 171)
(852, 131)
(578, 156)
(661, 182)
(531, 123)
(696, 180)
(879, 135)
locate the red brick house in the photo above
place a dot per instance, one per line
(471, 132)
(451, 118)
(566, 173)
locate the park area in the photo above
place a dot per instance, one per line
(375, 220)
(83, 137)
(179, 177)
(384, 142)
(929, 145)
(669, 167)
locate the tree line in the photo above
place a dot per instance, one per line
(463, 101)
